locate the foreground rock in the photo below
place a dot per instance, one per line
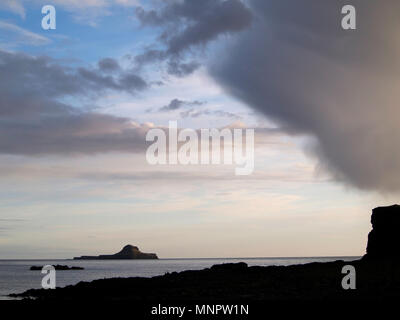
(127, 252)
(384, 240)
(238, 282)
(57, 267)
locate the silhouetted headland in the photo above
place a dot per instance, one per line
(384, 240)
(377, 278)
(127, 252)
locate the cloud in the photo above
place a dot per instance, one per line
(109, 65)
(84, 11)
(35, 120)
(22, 36)
(298, 175)
(195, 109)
(38, 117)
(189, 24)
(17, 5)
(13, 6)
(67, 134)
(297, 66)
(181, 69)
(24, 75)
(9, 224)
(127, 81)
(94, 3)
(177, 104)
(128, 3)
(188, 110)
(192, 113)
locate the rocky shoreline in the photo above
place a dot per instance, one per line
(313, 281)
(377, 278)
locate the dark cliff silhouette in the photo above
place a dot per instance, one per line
(127, 252)
(377, 278)
(383, 240)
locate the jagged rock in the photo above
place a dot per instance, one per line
(384, 240)
(127, 252)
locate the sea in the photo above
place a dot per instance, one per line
(16, 276)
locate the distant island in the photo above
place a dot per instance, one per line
(127, 252)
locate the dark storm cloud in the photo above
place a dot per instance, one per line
(33, 120)
(297, 66)
(209, 20)
(150, 56)
(188, 24)
(181, 69)
(108, 65)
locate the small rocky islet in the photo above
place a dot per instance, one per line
(57, 267)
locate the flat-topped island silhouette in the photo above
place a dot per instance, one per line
(128, 252)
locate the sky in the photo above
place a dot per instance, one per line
(77, 101)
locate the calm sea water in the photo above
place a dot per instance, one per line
(15, 276)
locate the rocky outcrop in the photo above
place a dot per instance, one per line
(57, 267)
(384, 239)
(127, 252)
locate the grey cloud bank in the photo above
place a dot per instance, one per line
(297, 66)
(34, 120)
